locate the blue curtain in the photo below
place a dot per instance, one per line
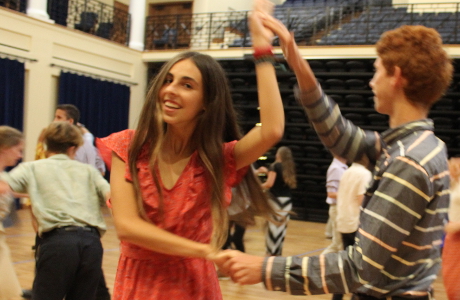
(11, 107)
(103, 105)
(12, 93)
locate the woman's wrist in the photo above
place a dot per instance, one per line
(263, 54)
(208, 252)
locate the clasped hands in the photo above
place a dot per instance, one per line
(244, 268)
(241, 267)
(264, 26)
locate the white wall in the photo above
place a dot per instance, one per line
(203, 6)
(165, 1)
(24, 36)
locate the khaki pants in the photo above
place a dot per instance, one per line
(336, 244)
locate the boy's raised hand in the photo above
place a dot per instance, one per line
(260, 35)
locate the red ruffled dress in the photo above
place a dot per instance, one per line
(143, 274)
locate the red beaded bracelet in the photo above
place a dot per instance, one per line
(265, 59)
(260, 52)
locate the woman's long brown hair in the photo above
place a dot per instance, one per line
(216, 125)
(287, 162)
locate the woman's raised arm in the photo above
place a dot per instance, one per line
(261, 138)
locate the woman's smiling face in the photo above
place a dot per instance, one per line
(182, 94)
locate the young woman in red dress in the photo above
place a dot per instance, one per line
(171, 178)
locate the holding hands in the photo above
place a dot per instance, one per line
(262, 17)
(260, 35)
(263, 26)
(241, 267)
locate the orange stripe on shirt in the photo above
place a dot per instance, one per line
(440, 175)
(377, 241)
(268, 271)
(322, 264)
(412, 163)
(419, 140)
(435, 243)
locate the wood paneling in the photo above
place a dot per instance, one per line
(166, 9)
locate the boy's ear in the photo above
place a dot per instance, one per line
(399, 80)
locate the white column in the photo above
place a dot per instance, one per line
(136, 36)
(38, 10)
(201, 6)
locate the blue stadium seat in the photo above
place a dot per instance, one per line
(356, 66)
(335, 66)
(314, 151)
(444, 104)
(338, 99)
(311, 169)
(317, 66)
(239, 99)
(354, 100)
(295, 133)
(335, 84)
(357, 84)
(239, 83)
(443, 123)
(356, 118)
(296, 116)
(378, 120)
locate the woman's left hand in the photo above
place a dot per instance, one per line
(261, 36)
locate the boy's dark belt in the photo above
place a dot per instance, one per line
(72, 229)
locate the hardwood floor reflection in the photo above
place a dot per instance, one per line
(305, 238)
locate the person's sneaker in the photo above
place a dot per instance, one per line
(26, 294)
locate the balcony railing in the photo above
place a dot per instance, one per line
(18, 5)
(93, 17)
(345, 23)
(196, 31)
(90, 16)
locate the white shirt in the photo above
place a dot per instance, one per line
(63, 192)
(334, 174)
(352, 185)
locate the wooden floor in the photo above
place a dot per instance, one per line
(304, 238)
